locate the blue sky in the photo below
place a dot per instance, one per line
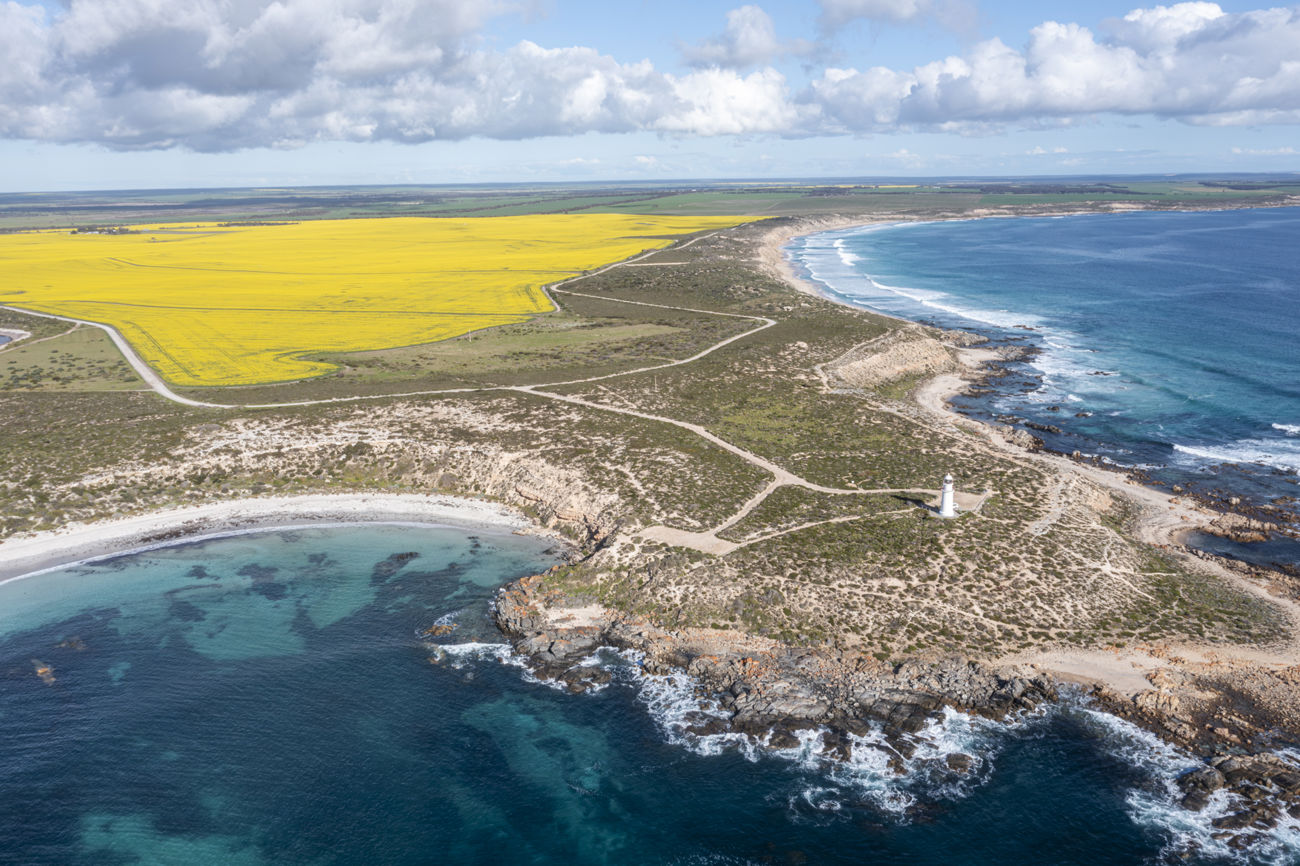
(104, 94)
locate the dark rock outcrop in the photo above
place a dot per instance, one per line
(769, 692)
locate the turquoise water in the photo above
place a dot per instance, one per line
(1168, 341)
(268, 698)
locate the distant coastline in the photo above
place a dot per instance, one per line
(773, 256)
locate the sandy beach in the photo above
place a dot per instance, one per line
(44, 551)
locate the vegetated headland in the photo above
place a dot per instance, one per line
(748, 473)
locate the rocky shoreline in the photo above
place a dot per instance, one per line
(769, 693)
(1238, 518)
(1264, 786)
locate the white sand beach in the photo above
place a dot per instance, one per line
(44, 551)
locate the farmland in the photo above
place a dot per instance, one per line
(211, 304)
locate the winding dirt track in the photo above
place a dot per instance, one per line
(707, 541)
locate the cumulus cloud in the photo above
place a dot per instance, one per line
(244, 73)
(228, 74)
(749, 40)
(1190, 61)
(1162, 27)
(721, 102)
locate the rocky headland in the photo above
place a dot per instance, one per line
(1235, 716)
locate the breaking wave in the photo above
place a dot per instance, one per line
(951, 759)
(1283, 454)
(1156, 804)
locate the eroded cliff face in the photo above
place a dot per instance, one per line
(558, 498)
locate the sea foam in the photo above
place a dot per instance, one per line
(1281, 454)
(1157, 804)
(824, 788)
(1062, 366)
(833, 265)
(849, 259)
(871, 776)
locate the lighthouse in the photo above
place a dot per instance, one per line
(947, 507)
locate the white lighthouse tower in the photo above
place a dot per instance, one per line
(947, 506)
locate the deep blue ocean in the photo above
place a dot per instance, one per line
(1166, 341)
(269, 698)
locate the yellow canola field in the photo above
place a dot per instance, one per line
(213, 305)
